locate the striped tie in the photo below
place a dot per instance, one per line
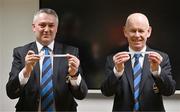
(46, 83)
(137, 70)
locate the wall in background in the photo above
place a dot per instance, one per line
(15, 30)
(1, 10)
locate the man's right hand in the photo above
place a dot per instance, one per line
(30, 60)
(119, 59)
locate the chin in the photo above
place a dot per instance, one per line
(137, 47)
(46, 42)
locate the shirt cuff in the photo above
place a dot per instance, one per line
(75, 82)
(118, 74)
(156, 73)
(22, 79)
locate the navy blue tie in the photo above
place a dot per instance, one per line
(137, 71)
(47, 97)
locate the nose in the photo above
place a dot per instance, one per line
(137, 33)
(46, 28)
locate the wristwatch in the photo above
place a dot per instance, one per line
(69, 77)
(76, 75)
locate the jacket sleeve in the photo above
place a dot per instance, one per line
(111, 82)
(165, 82)
(13, 87)
(80, 91)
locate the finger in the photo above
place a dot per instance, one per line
(154, 60)
(121, 59)
(30, 52)
(155, 57)
(121, 54)
(71, 56)
(35, 58)
(73, 67)
(72, 70)
(32, 58)
(74, 63)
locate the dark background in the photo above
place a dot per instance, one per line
(95, 27)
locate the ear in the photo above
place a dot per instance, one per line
(33, 27)
(125, 31)
(149, 31)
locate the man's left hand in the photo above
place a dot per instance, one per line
(155, 60)
(73, 63)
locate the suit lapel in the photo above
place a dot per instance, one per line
(145, 72)
(128, 73)
(34, 48)
(36, 70)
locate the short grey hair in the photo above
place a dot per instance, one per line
(47, 11)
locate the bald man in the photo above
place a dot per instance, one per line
(138, 87)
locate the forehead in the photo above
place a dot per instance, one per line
(137, 22)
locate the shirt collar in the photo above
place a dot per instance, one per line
(143, 50)
(40, 46)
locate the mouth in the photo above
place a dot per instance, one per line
(46, 35)
(137, 41)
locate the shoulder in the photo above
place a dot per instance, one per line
(162, 53)
(70, 47)
(66, 48)
(24, 48)
(29, 45)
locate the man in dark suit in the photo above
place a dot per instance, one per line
(142, 92)
(26, 73)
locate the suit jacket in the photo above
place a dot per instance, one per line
(151, 88)
(29, 95)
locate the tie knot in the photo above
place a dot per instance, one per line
(137, 56)
(46, 50)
